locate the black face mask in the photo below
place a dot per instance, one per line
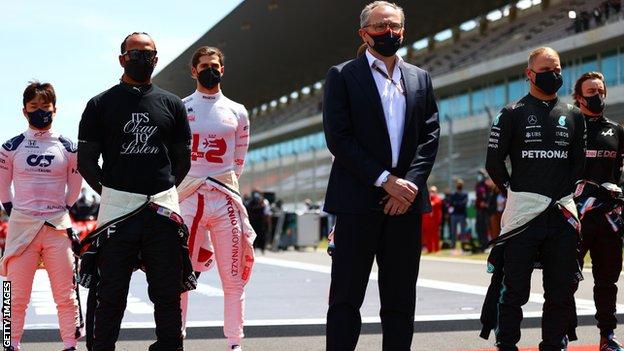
(139, 70)
(387, 43)
(595, 103)
(549, 82)
(209, 78)
(40, 119)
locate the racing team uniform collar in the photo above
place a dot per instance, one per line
(208, 97)
(34, 133)
(543, 103)
(594, 118)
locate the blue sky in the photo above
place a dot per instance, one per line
(74, 45)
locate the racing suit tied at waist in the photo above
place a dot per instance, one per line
(227, 183)
(521, 210)
(23, 229)
(116, 203)
(522, 207)
(117, 206)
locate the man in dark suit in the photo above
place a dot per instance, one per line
(381, 124)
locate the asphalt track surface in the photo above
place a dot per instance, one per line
(286, 305)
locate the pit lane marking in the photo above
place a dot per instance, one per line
(581, 304)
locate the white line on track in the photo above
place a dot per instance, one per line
(583, 304)
(42, 300)
(453, 260)
(312, 321)
(587, 269)
(585, 307)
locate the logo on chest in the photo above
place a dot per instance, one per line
(39, 163)
(532, 120)
(215, 148)
(608, 132)
(545, 154)
(562, 122)
(600, 154)
(43, 161)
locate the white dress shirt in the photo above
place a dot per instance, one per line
(393, 104)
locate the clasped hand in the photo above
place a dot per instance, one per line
(401, 195)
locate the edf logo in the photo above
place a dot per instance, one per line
(40, 160)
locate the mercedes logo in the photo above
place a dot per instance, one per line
(532, 119)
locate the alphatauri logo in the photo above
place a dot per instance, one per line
(40, 160)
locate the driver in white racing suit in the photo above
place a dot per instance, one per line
(42, 166)
(211, 204)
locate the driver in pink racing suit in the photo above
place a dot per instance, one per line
(212, 207)
(41, 165)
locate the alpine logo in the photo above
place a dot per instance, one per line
(608, 132)
(545, 154)
(39, 160)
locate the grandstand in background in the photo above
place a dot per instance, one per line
(476, 60)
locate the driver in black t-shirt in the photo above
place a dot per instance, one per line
(143, 136)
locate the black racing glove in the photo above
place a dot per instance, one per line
(75, 241)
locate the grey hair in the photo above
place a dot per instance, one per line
(366, 11)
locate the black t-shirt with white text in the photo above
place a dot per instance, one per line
(135, 127)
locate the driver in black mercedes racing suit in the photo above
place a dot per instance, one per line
(544, 139)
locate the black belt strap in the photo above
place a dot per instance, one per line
(224, 185)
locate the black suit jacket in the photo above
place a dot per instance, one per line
(357, 136)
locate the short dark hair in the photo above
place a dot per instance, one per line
(578, 86)
(206, 51)
(123, 43)
(35, 89)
